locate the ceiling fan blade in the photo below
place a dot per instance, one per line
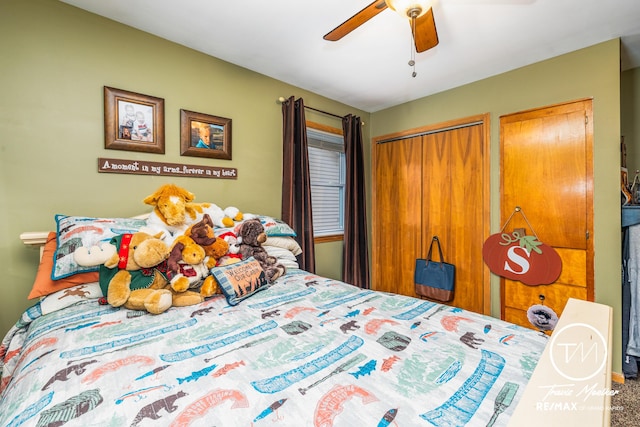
(356, 20)
(426, 36)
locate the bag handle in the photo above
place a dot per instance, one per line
(435, 240)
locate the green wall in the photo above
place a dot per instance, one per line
(589, 73)
(55, 60)
(630, 123)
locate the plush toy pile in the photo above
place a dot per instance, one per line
(137, 276)
(174, 210)
(169, 262)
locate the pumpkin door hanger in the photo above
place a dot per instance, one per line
(522, 258)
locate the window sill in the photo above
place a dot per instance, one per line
(326, 239)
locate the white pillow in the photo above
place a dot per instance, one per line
(285, 256)
(288, 243)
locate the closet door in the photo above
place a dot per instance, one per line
(547, 170)
(397, 236)
(433, 184)
(453, 208)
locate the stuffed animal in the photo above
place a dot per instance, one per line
(251, 236)
(174, 211)
(235, 214)
(94, 255)
(233, 253)
(202, 231)
(216, 251)
(187, 268)
(133, 276)
(203, 234)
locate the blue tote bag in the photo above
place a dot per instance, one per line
(435, 280)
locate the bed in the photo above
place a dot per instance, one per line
(305, 350)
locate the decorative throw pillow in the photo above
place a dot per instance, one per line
(240, 280)
(43, 284)
(272, 227)
(74, 232)
(69, 296)
(276, 227)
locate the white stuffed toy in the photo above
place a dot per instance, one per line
(95, 255)
(233, 254)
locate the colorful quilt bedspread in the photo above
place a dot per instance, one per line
(306, 351)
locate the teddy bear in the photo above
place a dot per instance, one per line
(174, 210)
(203, 234)
(187, 268)
(251, 236)
(134, 276)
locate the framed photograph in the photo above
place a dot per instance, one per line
(133, 122)
(203, 135)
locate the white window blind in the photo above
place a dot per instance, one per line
(327, 170)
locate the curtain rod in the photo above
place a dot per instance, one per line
(323, 112)
(282, 100)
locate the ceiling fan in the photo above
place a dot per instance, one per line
(419, 13)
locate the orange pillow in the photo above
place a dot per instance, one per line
(43, 285)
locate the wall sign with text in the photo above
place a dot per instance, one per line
(523, 258)
(140, 167)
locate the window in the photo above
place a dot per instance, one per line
(327, 176)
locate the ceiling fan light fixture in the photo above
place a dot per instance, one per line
(409, 8)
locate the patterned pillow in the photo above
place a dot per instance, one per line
(240, 280)
(43, 285)
(66, 297)
(272, 227)
(75, 231)
(276, 227)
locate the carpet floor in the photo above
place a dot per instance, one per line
(625, 410)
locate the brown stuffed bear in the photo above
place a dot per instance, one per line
(133, 277)
(251, 236)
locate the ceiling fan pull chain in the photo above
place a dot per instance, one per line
(412, 61)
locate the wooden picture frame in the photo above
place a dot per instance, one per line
(133, 122)
(204, 135)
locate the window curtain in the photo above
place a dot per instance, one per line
(296, 185)
(355, 266)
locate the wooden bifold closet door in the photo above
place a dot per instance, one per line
(435, 183)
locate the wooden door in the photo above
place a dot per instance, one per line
(434, 184)
(397, 239)
(547, 170)
(454, 208)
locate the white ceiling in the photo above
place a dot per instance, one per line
(368, 68)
